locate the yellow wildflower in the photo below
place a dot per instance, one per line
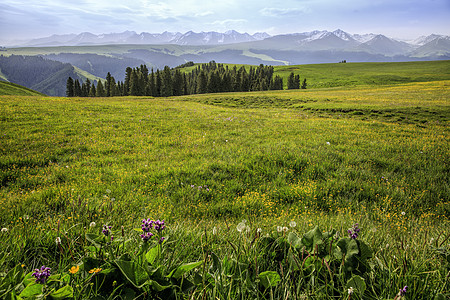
(95, 270)
(74, 269)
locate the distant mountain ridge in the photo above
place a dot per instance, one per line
(318, 40)
(131, 37)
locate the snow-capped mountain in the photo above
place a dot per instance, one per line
(131, 37)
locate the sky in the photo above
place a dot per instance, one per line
(404, 19)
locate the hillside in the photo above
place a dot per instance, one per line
(356, 74)
(34, 72)
(9, 88)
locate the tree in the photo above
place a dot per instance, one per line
(100, 92)
(276, 83)
(77, 89)
(166, 89)
(134, 84)
(108, 85)
(177, 83)
(304, 84)
(296, 81)
(70, 87)
(92, 92)
(202, 83)
(291, 81)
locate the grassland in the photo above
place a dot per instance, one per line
(376, 155)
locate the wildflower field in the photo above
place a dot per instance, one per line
(331, 193)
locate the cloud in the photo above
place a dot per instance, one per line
(229, 22)
(282, 12)
(204, 14)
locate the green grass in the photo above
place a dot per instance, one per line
(373, 155)
(355, 74)
(9, 88)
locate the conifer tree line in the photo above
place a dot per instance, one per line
(205, 78)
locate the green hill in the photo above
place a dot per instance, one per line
(356, 74)
(8, 88)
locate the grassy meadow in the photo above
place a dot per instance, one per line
(257, 191)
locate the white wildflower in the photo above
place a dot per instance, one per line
(58, 240)
(4, 229)
(350, 290)
(403, 213)
(259, 230)
(292, 224)
(285, 229)
(241, 227)
(328, 143)
(92, 224)
(279, 228)
(214, 231)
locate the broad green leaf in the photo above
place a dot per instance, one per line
(294, 240)
(152, 254)
(32, 290)
(158, 287)
(439, 297)
(312, 238)
(216, 265)
(365, 251)
(63, 293)
(178, 272)
(352, 248)
(357, 283)
(269, 278)
(95, 239)
(133, 272)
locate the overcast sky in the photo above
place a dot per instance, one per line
(405, 19)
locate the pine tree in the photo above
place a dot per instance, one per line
(70, 87)
(291, 81)
(92, 92)
(100, 92)
(297, 82)
(177, 83)
(166, 88)
(77, 88)
(134, 84)
(108, 85)
(158, 84)
(304, 84)
(202, 83)
(126, 86)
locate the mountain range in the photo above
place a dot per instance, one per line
(307, 41)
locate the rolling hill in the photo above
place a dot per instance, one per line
(9, 88)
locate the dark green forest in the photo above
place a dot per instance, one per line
(205, 78)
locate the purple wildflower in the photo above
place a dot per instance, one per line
(159, 225)
(161, 240)
(146, 236)
(403, 291)
(41, 274)
(353, 232)
(147, 225)
(106, 230)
